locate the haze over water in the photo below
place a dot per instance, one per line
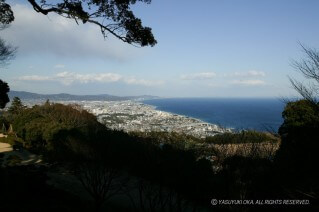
(238, 113)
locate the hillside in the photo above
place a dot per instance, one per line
(69, 97)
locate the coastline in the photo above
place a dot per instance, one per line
(136, 116)
(229, 129)
(262, 114)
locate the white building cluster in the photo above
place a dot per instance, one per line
(135, 116)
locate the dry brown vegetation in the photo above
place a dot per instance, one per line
(261, 150)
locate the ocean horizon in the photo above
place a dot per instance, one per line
(262, 114)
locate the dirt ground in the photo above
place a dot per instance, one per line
(25, 156)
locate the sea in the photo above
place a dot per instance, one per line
(262, 114)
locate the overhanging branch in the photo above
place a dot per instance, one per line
(122, 22)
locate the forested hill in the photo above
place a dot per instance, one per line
(69, 97)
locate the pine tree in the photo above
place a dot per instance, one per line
(16, 106)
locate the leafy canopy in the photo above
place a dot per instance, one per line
(114, 17)
(46, 125)
(6, 50)
(4, 89)
(16, 106)
(6, 14)
(300, 114)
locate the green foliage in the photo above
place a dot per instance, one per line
(6, 14)
(4, 89)
(300, 128)
(299, 134)
(113, 17)
(4, 124)
(298, 151)
(7, 51)
(44, 127)
(241, 137)
(166, 161)
(302, 113)
(16, 106)
(11, 139)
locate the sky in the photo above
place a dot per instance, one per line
(206, 48)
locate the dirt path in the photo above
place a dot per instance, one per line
(26, 157)
(4, 147)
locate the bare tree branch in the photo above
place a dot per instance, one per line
(309, 68)
(7, 52)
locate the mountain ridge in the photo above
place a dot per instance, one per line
(24, 95)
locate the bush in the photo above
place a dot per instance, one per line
(241, 137)
(49, 126)
(300, 136)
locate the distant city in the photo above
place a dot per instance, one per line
(135, 116)
(129, 114)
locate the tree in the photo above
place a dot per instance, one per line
(6, 53)
(6, 14)
(309, 68)
(6, 50)
(297, 155)
(6, 17)
(100, 179)
(113, 17)
(4, 89)
(16, 106)
(296, 159)
(299, 132)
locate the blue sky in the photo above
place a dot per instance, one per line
(206, 48)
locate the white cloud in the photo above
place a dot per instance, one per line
(38, 34)
(199, 76)
(59, 66)
(216, 85)
(247, 74)
(134, 81)
(252, 82)
(35, 78)
(211, 75)
(68, 78)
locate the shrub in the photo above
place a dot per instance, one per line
(241, 137)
